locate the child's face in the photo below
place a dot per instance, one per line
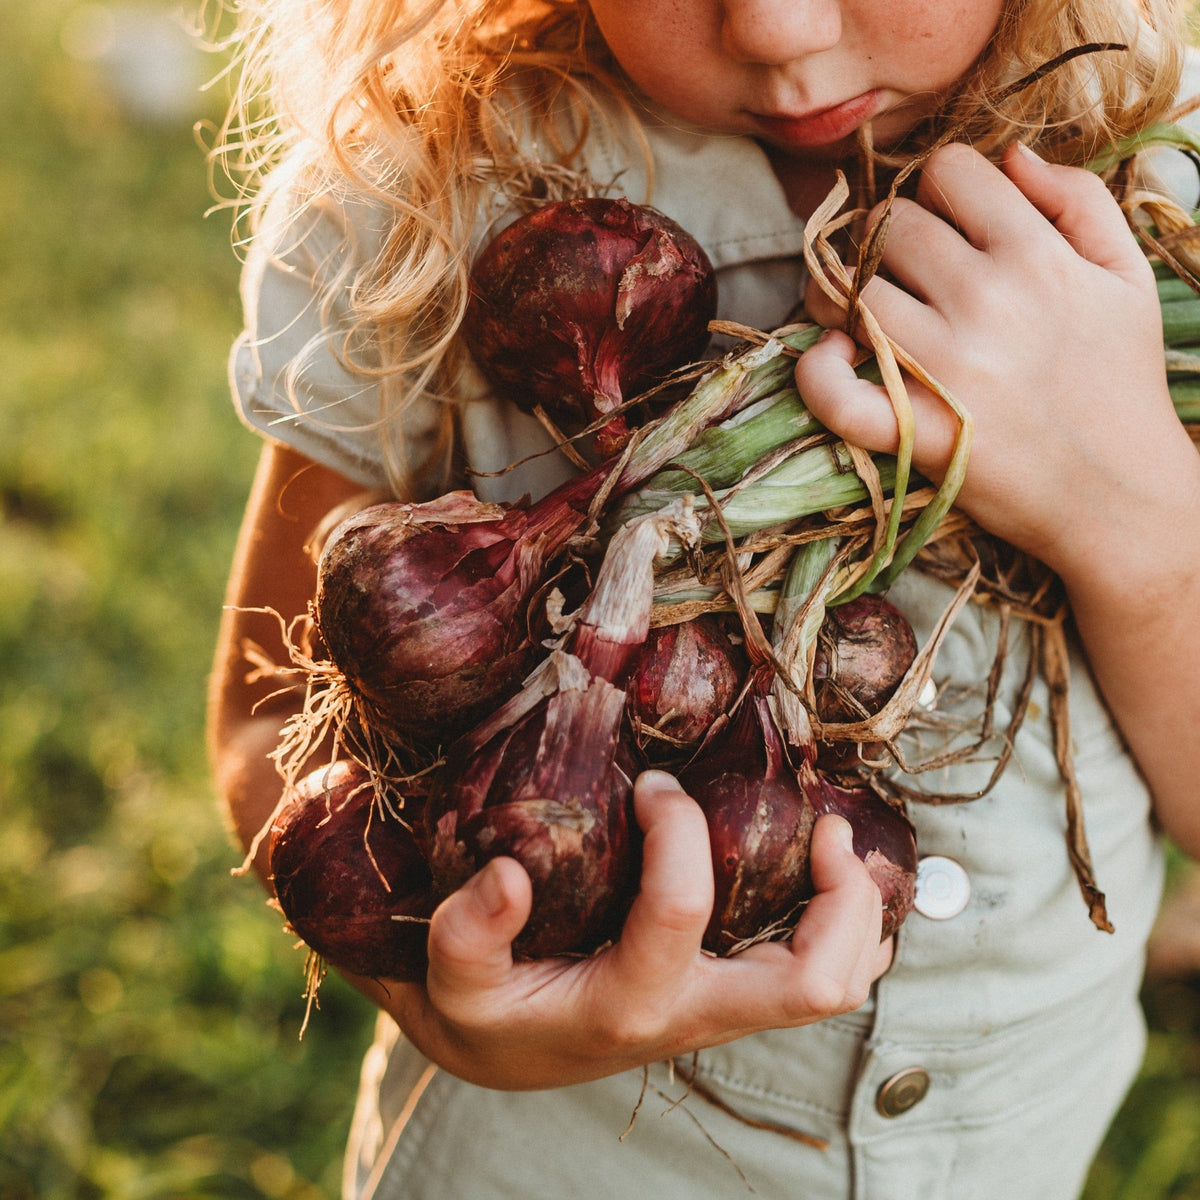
(802, 75)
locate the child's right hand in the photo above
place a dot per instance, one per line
(653, 995)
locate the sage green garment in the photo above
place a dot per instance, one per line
(1023, 1016)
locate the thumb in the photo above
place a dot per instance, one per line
(471, 932)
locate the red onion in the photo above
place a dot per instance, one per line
(760, 825)
(583, 303)
(350, 877)
(864, 648)
(761, 811)
(884, 839)
(422, 607)
(551, 787)
(684, 678)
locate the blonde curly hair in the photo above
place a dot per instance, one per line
(407, 105)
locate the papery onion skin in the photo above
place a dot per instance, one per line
(423, 607)
(683, 679)
(361, 898)
(760, 826)
(583, 303)
(554, 791)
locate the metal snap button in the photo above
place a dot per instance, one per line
(904, 1090)
(943, 888)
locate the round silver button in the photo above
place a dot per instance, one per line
(943, 888)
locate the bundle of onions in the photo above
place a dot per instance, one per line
(425, 609)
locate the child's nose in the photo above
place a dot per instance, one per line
(776, 32)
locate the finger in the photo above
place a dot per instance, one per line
(831, 871)
(1011, 208)
(924, 277)
(471, 932)
(972, 195)
(836, 942)
(915, 309)
(845, 895)
(981, 202)
(834, 951)
(1081, 208)
(662, 934)
(925, 254)
(861, 411)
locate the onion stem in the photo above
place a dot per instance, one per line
(1164, 133)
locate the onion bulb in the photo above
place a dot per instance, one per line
(581, 304)
(350, 877)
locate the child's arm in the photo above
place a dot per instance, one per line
(271, 569)
(651, 996)
(1022, 291)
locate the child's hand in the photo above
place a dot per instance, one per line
(651, 996)
(1020, 289)
(1023, 292)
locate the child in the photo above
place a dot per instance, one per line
(984, 1053)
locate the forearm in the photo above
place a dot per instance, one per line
(1143, 644)
(273, 580)
(249, 786)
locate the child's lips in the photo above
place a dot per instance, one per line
(820, 128)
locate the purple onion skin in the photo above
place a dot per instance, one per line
(584, 303)
(425, 614)
(884, 839)
(864, 649)
(333, 895)
(684, 678)
(554, 791)
(760, 825)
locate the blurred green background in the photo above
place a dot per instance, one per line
(150, 1004)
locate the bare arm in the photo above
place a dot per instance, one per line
(271, 569)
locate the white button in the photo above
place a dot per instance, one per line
(943, 888)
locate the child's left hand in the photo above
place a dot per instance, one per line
(1021, 290)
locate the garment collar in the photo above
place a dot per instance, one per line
(720, 188)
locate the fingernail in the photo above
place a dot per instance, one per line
(1029, 152)
(489, 895)
(845, 834)
(657, 781)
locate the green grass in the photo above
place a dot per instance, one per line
(150, 1004)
